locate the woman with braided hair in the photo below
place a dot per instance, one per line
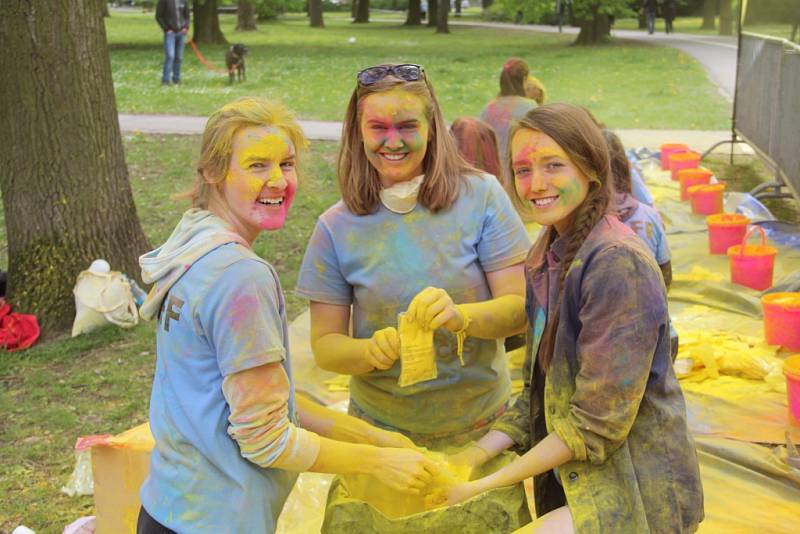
(601, 422)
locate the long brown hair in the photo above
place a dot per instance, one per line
(513, 77)
(620, 166)
(477, 142)
(577, 133)
(443, 166)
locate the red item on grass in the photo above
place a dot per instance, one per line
(18, 331)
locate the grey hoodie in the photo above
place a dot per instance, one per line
(198, 233)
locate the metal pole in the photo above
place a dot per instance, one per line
(739, 25)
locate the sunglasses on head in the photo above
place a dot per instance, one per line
(407, 72)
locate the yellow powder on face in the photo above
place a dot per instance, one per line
(269, 149)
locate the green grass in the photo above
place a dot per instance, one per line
(313, 70)
(100, 382)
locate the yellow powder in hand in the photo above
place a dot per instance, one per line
(417, 355)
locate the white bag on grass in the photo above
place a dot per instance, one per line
(100, 298)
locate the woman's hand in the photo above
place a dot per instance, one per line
(405, 470)
(457, 494)
(383, 348)
(471, 457)
(433, 307)
(385, 438)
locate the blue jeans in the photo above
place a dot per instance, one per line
(173, 56)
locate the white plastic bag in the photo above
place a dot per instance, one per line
(80, 481)
(100, 298)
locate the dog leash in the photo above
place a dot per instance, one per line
(204, 61)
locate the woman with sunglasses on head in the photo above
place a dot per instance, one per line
(230, 434)
(417, 231)
(601, 420)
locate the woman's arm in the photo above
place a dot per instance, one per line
(501, 316)
(259, 422)
(335, 350)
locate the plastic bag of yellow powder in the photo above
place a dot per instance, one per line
(417, 355)
(360, 503)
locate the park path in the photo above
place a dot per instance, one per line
(717, 54)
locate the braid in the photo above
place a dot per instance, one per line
(590, 213)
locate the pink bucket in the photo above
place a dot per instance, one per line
(690, 177)
(706, 199)
(671, 148)
(752, 265)
(725, 230)
(782, 320)
(683, 160)
(791, 370)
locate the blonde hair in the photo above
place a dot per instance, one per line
(443, 166)
(534, 89)
(216, 148)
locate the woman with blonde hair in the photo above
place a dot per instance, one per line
(230, 434)
(601, 421)
(418, 231)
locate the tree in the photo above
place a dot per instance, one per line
(206, 23)
(433, 13)
(710, 8)
(315, 13)
(353, 9)
(362, 15)
(725, 17)
(593, 17)
(458, 8)
(245, 16)
(441, 23)
(414, 15)
(66, 194)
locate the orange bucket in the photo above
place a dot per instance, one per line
(706, 199)
(752, 265)
(782, 320)
(671, 148)
(725, 230)
(690, 177)
(791, 370)
(683, 160)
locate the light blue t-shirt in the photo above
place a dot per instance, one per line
(647, 224)
(225, 315)
(638, 187)
(379, 262)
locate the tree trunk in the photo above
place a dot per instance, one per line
(441, 24)
(414, 15)
(595, 30)
(458, 8)
(725, 18)
(486, 3)
(66, 194)
(104, 8)
(353, 9)
(362, 15)
(433, 13)
(245, 16)
(709, 14)
(315, 13)
(206, 23)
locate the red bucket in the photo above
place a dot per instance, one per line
(671, 148)
(690, 177)
(706, 199)
(752, 265)
(683, 160)
(782, 320)
(725, 230)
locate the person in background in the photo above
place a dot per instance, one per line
(173, 17)
(601, 419)
(510, 104)
(670, 9)
(650, 8)
(230, 433)
(477, 144)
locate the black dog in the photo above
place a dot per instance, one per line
(234, 60)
